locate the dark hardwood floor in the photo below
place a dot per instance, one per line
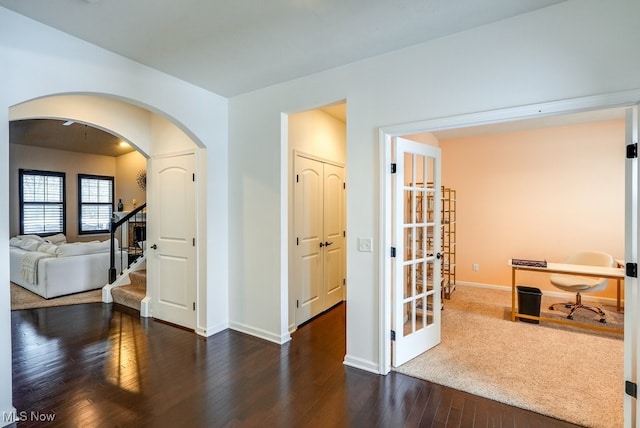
(91, 365)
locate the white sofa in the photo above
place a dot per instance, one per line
(53, 267)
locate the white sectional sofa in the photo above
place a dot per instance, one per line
(52, 267)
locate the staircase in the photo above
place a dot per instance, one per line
(131, 295)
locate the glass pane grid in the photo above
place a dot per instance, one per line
(419, 242)
(95, 190)
(42, 200)
(96, 203)
(41, 188)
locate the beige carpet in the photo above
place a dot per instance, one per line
(22, 298)
(571, 374)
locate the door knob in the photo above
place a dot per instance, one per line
(326, 244)
(321, 244)
(154, 246)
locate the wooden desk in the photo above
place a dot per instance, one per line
(569, 269)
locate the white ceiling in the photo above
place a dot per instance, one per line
(236, 46)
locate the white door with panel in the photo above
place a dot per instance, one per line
(319, 224)
(171, 257)
(416, 234)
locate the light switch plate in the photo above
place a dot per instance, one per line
(365, 245)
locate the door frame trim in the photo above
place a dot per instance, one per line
(304, 154)
(385, 134)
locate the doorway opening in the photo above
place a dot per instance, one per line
(101, 175)
(316, 156)
(157, 139)
(606, 104)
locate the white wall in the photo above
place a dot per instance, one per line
(574, 49)
(38, 61)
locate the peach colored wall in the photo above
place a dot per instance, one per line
(539, 194)
(127, 168)
(426, 138)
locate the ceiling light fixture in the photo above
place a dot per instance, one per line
(68, 122)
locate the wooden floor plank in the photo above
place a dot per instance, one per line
(93, 365)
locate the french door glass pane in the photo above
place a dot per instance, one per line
(419, 242)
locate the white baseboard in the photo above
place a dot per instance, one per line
(262, 334)
(106, 294)
(559, 294)
(359, 363)
(145, 307)
(211, 330)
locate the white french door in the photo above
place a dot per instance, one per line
(319, 224)
(631, 294)
(416, 234)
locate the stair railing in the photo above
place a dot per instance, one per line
(132, 235)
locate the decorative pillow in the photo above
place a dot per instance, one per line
(15, 241)
(80, 248)
(34, 237)
(48, 248)
(57, 239)
(29, 244)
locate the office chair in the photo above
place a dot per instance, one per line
(578, 284)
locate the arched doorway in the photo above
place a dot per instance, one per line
(163, 143)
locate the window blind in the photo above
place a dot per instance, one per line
(96, 203)
(42, 202)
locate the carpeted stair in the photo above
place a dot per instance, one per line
(131, 295)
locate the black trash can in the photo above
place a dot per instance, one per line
(529, 302)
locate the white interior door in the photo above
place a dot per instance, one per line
(631, 295)
(308, 196)
(171, 256)
(416, 267)
(333, 230)
(320, 243)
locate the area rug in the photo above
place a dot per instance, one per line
(570, 374)
(22, 298)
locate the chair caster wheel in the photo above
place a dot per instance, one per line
(603, 321)
(569, 317)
